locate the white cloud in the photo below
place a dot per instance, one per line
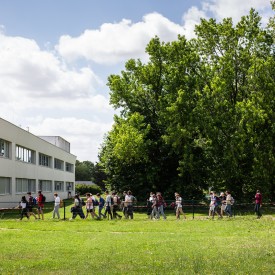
(191, 18)
(84, 136)
(26, 68)
(117, 42)
(38, 90)
(234, 8)
(220, 9)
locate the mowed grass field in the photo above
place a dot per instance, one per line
(240, 245)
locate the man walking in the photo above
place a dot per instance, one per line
(258, 204)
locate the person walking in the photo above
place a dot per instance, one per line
(116, 200)
(223, 203)
(24, 208)
(77, 208)
(108, 205)
(228, 207)
(31, 204)
(160, 205)
(90, 207)
(149, 205)
(101, 203)
(129, 201)
(215, 200)
(179, 206)
(40, 204)
(258, 204)
(154, 210)
(56, 206)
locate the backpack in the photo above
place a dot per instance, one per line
(61, 203)
(118, 201)
(218, 200)
(82, 202)
(95, 202)
(102, 202)
(232, 201)
(34, 201)
(43, 198)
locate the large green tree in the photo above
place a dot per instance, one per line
(199, 114)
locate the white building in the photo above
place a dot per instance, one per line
(29, 163)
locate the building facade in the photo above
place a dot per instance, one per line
(29, 163)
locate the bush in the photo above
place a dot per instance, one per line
(84, 188)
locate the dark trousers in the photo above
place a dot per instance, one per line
(108, 210)
(129, 212)
(115, 214)
(24, 212)
(257, 210)
(78, 211)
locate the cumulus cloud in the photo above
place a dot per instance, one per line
(117, 42)
(84, 136)
(26, 68)
(220, 9)
(190, 19)
(40, 91)
(234, 8)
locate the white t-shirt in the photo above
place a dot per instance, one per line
(57, 201)
(179, 202)
(109, 200)
(76, 202)
(23, 204)
(228, 199)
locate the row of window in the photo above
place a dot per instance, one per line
(27, 155)
(29, 185)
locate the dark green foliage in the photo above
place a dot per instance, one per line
(82, 189)
(198, 115)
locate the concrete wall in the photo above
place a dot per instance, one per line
(13, 168)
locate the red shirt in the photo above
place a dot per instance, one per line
(258, 198)
(39, 201)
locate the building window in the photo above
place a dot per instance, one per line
(45, 160)
(58, 186)
(45, 185)
(69, 167)
(5, 186)
(4, 148)
(58, 164)
(69, 186)
(25, 185)
(25, 154)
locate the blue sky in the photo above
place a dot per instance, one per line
(55, 57)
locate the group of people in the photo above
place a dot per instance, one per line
(108, 208)
(221, 205)
(156, 205)
(112, 204)
(28, 203)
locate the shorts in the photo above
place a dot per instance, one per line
(90, 210)
(223, 207)
(40, 208)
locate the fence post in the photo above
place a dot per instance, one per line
(193, 208)
(64, 207)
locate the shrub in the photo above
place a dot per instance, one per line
(84, 188)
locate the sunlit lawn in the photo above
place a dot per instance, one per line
(241, 245)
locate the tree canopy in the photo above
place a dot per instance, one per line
(198, 115)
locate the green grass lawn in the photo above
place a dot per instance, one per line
(241, 245)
